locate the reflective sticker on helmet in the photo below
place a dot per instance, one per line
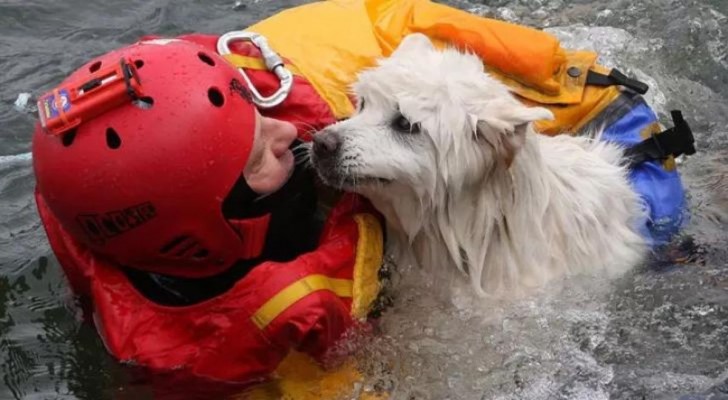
(48, 105)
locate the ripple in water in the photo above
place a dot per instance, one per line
(656, 333)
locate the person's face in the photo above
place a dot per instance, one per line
(271, 161)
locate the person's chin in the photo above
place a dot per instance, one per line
(287, 164)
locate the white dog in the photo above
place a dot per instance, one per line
(450, 158)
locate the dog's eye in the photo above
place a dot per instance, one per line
(361, 105)
(403, 125)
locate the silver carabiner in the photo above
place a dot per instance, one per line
(272, 60)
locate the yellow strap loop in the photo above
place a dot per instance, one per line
(369, 258)
(239, 61)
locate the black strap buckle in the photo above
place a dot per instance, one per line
(615, 77)
(674, 141)
(129, 74)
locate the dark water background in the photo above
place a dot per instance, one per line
(660, 332)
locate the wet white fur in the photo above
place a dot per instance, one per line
(562, 206)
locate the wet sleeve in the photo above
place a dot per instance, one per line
(317, 310)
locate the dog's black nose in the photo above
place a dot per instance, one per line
(326, 143)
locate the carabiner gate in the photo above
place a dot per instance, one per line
(272, 60)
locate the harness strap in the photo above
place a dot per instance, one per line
(255, 63)
(674, 142)
(615, 77)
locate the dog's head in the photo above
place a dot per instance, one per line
(427, 120)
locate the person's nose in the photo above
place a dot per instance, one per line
(279, 134)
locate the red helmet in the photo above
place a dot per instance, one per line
(137, 151)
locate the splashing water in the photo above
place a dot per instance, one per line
(659, 332)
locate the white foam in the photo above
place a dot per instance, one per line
(22, 157)
(25, 104)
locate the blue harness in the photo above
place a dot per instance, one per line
(660, 190)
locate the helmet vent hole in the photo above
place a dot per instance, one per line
(172, 244)
(112, 139)
(68, 137)
(200, 254)
(138, 63)
(95, 67)
(216, 97)
(145, 103)
(92, 228)
(184, 247)
(206, 59)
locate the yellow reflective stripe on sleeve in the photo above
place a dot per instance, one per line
(295, 292)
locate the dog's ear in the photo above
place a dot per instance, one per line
(415, 42)
(505, 125)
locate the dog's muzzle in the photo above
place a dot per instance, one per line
(325, 153)
(326, 145)
(337, 169)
